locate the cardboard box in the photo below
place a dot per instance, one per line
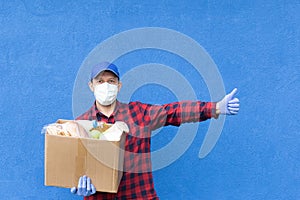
(68, 158)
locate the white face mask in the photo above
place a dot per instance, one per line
(106, 93)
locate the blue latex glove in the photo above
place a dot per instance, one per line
(229, 105)
(85, 187)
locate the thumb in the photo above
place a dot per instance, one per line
(232, 93)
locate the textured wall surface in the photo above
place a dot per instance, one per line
(255, 44)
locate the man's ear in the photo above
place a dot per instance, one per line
(119, 86)
(91, 86)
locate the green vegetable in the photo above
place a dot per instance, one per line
(95, 134)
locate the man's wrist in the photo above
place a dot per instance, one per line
(217, 111)
(218, 108)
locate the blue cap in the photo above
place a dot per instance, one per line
(100, 67)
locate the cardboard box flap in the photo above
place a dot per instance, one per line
(60, 167)
(68, 158)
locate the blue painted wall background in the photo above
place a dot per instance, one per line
(255, 45)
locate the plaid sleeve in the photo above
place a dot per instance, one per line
(181, 112)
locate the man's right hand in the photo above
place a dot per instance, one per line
(85, 187)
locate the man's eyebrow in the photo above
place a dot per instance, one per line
(109, 78)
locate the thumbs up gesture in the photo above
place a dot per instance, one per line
(229, 105)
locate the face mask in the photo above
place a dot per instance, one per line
(105, 93)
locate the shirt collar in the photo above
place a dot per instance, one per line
(95, 109)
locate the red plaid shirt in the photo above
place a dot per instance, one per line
(137, 181)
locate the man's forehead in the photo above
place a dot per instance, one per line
(106, 73)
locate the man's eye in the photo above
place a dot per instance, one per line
(100, 81)
(112, 81)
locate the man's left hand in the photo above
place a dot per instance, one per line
(228, 105)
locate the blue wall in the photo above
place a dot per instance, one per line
(255, 44)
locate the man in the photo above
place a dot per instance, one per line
(141, 118)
